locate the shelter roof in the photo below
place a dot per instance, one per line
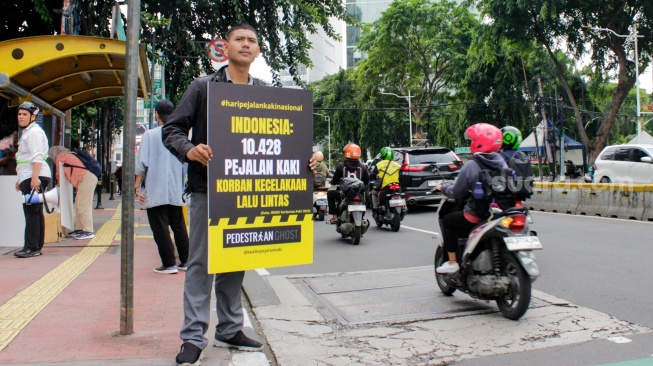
(62, 72)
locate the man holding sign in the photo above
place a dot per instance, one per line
(242, 48)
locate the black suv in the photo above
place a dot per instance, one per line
(423, 168)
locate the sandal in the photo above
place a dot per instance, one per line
(332, 221)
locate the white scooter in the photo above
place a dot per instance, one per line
(320, 202)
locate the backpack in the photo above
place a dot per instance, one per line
(496, 185)
(89, 162)
(319, 180)
(520, 164)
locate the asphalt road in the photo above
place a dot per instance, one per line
(598, 263)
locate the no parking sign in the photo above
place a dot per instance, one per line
(216, 53)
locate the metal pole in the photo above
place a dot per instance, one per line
(410, 119)
(639, 121)
(127, 222)
(562, 156)
(152, 81)
(328, 119)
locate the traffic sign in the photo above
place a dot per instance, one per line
(216, 52)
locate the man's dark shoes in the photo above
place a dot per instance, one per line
(27, 253)
(189, 354)
(239, 341)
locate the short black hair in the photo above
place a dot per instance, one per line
(164, 108)
(241, 26)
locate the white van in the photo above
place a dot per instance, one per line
(625, 164)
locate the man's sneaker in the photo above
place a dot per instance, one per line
(239, 341)
(84, 235)
(27, 253)
(162, 269)
(74, 233)
(189, 354)
(448, 268)
(182, 266)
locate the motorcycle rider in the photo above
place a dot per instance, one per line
(319, 166)
(485, 142)
(387, 172)
(350, 166)
(512, 138)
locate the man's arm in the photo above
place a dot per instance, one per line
(175, 131)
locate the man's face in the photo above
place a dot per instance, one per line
(242, 47)
(24, 118)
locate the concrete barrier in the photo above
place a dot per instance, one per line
(626, 201)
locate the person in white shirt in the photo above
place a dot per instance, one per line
(33, 176)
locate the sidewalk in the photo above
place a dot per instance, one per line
(64, 306)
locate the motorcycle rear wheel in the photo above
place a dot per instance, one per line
(438, 261)
(356, 235)
(396, 222)
(514, 304)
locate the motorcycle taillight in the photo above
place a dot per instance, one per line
(394, 186)
(518, 223)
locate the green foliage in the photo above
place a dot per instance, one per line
(536, 170)
(417, 47)
(21, 18)
(282, 27)
(555, 24)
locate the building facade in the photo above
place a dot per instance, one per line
(366, 11)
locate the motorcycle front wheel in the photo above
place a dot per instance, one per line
(514, 304)
(442, 284)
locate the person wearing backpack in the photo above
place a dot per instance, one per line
(33, 175)
(518, 162)
(485, 142)
(385, 172)
(85, 183)
(320, 171)
(350, 166)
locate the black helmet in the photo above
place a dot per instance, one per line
(511, 138)
(29, 106)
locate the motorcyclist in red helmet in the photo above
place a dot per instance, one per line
(351, 166)
(485, 142)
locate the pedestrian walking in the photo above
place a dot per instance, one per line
(159, 188)
(242, 48)
(33, 176)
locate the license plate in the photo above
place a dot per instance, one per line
(433, 183)
(522, 243)
(321, 202)
(397, 202)
(360, 208)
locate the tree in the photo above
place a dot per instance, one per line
(337, 96)
(558, 23)
(417, 46)
(282, 27)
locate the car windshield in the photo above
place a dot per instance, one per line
(649, 150)
(438, 157)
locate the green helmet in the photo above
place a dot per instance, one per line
(387, 153)
(511, 138)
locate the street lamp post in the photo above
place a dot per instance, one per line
(328, 119)
(631, 37)
(410, 114)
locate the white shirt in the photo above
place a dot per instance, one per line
(32, 148)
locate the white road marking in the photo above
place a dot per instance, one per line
(420, 230)
(619, 339)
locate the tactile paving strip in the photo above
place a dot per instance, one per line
(16, 313)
